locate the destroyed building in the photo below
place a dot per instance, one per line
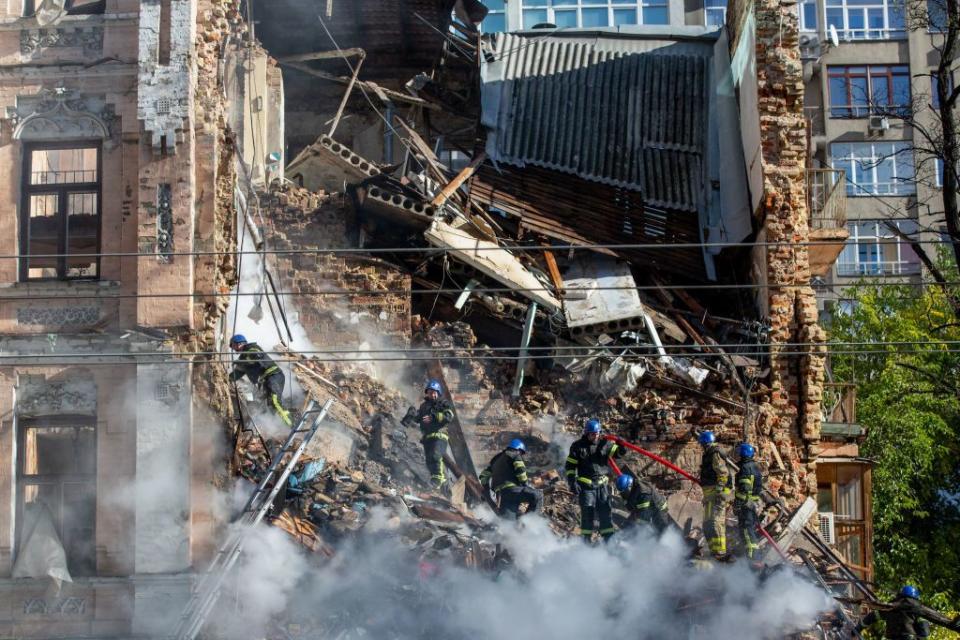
(557, 223)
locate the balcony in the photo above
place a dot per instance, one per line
(827, 204)
(839, 410)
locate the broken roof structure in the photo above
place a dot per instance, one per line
(638, 118)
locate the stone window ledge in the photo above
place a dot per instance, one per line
(60, 288)
(17, 24)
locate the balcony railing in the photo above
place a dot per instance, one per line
(827, 198)
(878, 268)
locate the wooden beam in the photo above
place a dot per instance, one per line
(460, 178)
(394, 95)
(323, 55)
(554, 272)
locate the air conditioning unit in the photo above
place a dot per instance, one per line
(826, 528)
(878, 124)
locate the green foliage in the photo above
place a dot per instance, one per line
(908, 398)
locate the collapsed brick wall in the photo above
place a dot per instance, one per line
(790, 417)
(375, 305)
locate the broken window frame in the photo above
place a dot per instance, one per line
(551, 11)
(62, 191)
(24, 480)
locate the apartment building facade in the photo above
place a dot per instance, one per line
(117, 171)
(517, 15)
(866, 68)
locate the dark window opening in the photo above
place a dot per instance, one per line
(57, 464)
(78, 7)
(60, 212)
(72, 7)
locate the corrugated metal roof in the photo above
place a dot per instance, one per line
(624, 112)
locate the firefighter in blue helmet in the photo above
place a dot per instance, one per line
(588, 477)
(507, 476)
(747, 504)
(904, 617)
(645, 503)
(716, 482)
(433, 416)
(262, 371)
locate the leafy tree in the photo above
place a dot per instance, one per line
(908, 397)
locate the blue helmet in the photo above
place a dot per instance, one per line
(517, 444)
(434, 385)
(707, 437)
(238, 339)
(746, 451)
(624, 482)
(592, 426)
(910, 591)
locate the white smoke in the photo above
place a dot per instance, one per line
(557, 588)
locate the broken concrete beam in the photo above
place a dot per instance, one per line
(396, 206)
(327, 164)
(492, 260)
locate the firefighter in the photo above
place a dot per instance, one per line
(904, 618)
(716, 482)
(587, 476)
(507, 476)
(747, 504)
(262, 371)
(433, 416)
(645, 503)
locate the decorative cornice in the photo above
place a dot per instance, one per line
(34, 42)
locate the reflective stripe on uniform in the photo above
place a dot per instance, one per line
(505, 485)
(437, 435)
(643, 505)
(572, 460)
(586, 532)
(601, 480)
(269, 371)
(608, 531)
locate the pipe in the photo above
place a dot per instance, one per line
(613, 465)
(653, 456)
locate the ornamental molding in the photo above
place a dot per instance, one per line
(35, 42)
(60, 113)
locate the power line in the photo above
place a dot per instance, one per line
(144, 359)
(472, 249)
(39, 295)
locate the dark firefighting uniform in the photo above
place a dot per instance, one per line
(904, 621)
(507, 476)
(716, 482)
(587, 469)
(434, 436)
(261, 370)
(647, 505)
(747, 504)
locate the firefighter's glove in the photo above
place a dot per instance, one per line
(574, 486)
(410, 419)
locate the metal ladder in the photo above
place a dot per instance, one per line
(207, 590)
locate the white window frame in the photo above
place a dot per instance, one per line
(714, 8)
(861, 160)
(804, 27)
(850, 263)
(496, 12)
(849, 7)
(552, 6)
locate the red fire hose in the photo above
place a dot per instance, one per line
(652, 456)
(670, 465)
